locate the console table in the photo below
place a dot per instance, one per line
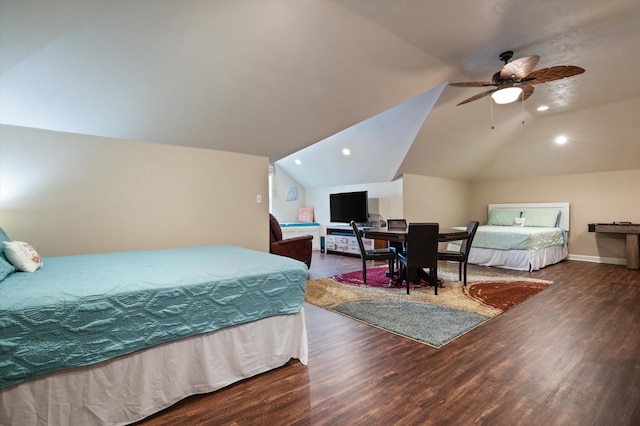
(631, 230)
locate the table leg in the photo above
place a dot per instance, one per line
(413, 274)
(633, 251)
(431, 278)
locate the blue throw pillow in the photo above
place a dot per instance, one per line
(546, 218)
(3, 237)
(501, 217)
(6, 269)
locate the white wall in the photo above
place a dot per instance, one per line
(285, 210)
(70, 194)
(387, 196)
(416, 198)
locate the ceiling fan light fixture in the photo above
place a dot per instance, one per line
(506, 95)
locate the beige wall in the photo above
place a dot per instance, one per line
(593, 197)
(70, 194)
(429, 199)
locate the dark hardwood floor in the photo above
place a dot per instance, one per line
(568, 356)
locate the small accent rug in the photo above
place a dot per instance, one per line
(421, 315)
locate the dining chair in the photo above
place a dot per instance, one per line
(397, 247)
(374, 254)
(462, 256)
(421, 252)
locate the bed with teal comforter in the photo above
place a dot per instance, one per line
(516, 247)
(517, 238)
(80, 310)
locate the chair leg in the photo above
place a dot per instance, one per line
(364, 271)
(465, 274)
(434, 278)
(403, 272)
(459, 271)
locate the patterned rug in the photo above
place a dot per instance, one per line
(376, 277)
(421, 315)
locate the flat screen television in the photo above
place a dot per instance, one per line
(347, 206)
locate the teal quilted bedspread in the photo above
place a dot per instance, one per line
(79, 310)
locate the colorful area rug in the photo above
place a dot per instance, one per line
(421, 315)
(376, 277)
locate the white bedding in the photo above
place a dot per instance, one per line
(131, 387)
(521, 260)
(513, 247)
(516, 237)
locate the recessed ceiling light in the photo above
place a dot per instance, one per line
(561, 140)
(346, 151)
(297, 161)
(543, 108)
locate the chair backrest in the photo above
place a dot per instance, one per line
(356, 231)
(275, 233)
(465, 246)
(396, 223)
(422, 244)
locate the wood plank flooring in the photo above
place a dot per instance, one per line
(568, 356)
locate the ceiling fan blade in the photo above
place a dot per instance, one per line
(473, 84)
(519, 68)
(476, 97)
(527, 90)
(551, 74)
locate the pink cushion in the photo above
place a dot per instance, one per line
(305, 214)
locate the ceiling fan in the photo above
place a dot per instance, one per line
(515, 81)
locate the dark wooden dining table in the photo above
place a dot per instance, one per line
(400, 235)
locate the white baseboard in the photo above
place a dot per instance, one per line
(597, 259)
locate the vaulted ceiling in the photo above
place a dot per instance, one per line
(273, 77)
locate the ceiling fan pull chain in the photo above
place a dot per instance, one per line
(523, 109)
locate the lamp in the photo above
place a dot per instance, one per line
(506, 95)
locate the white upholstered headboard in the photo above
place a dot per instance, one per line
(563, 207)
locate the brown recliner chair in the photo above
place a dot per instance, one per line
(298, 248)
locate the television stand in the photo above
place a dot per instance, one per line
(341, 240)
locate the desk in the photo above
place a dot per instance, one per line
(400, 235)
(632, 230)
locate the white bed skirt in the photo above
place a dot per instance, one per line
(522, 260)
(132, 387)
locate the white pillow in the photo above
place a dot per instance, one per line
(519, 221)
(22, 256)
